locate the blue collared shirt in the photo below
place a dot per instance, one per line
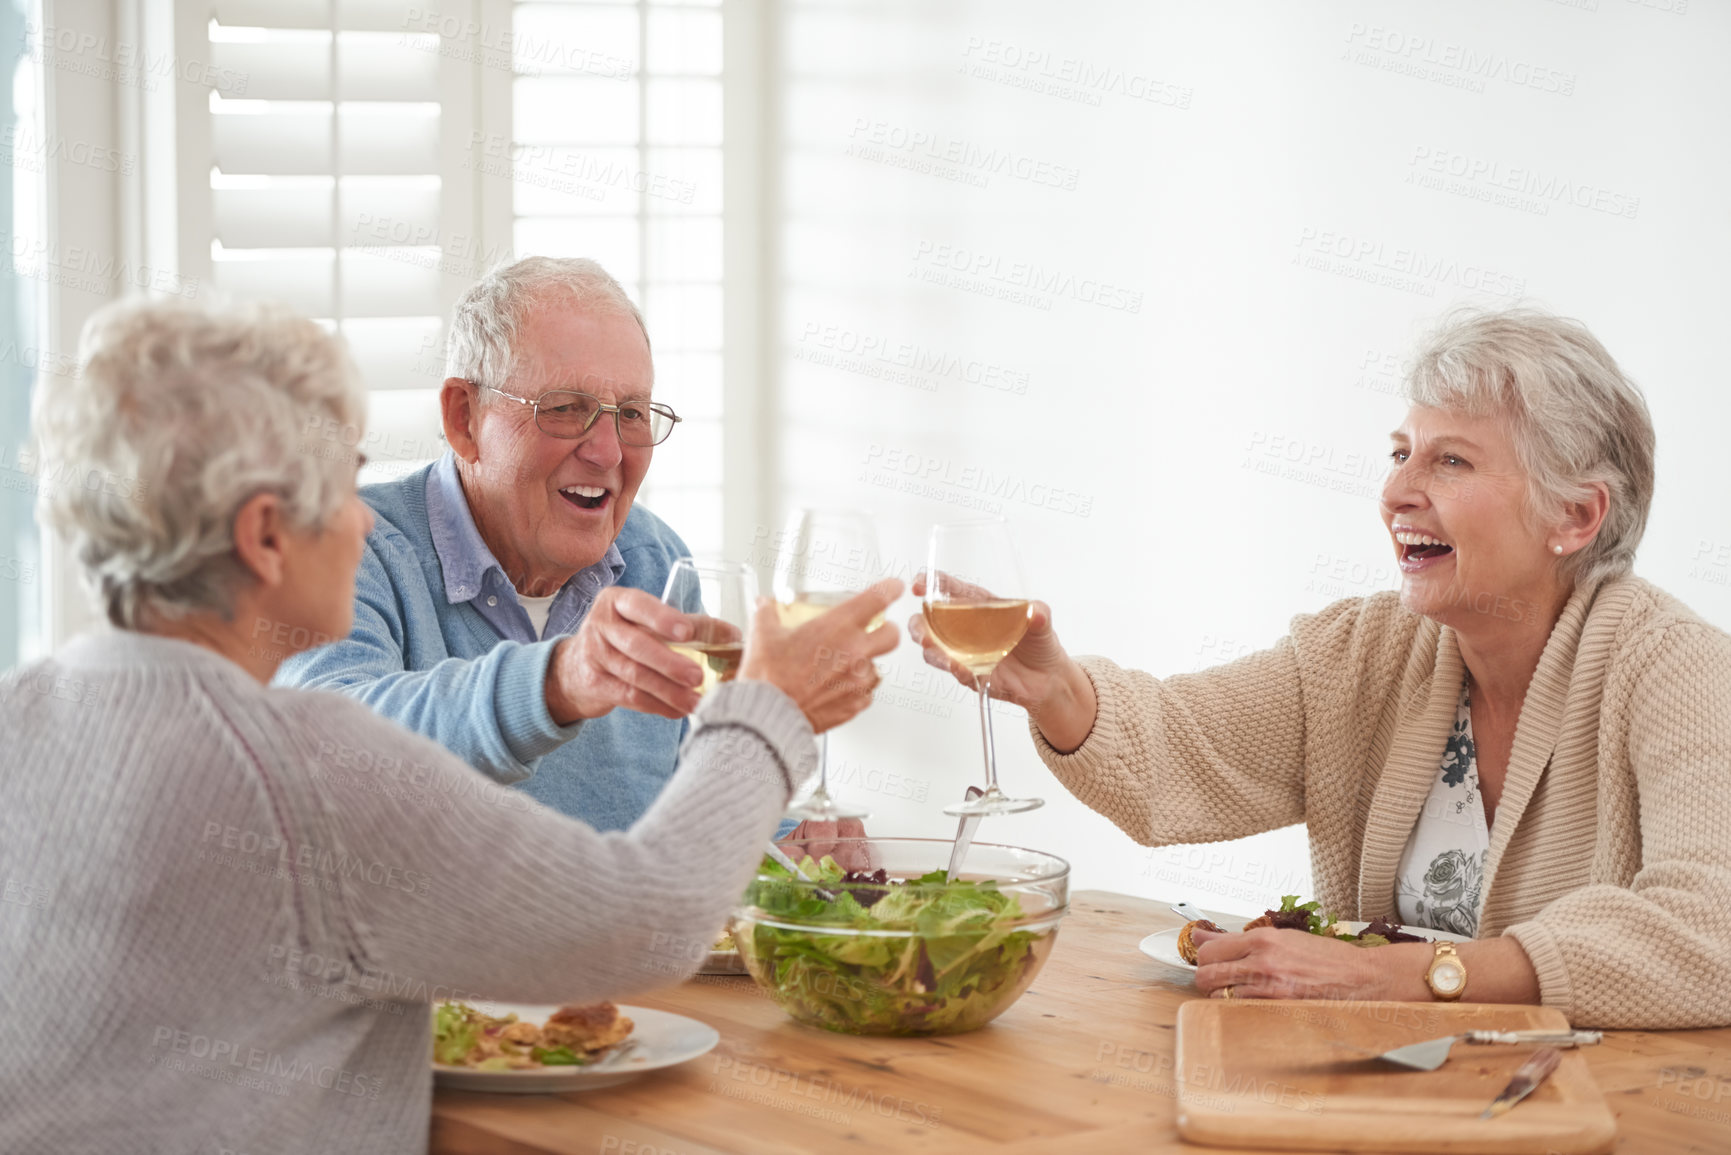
(472, 574)
(428, 651)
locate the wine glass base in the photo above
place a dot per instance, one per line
(825, 810)
(989, 804)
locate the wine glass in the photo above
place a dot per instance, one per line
(828, 556)
(977, 609)
(722, 596)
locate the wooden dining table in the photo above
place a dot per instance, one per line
(1082, 1063)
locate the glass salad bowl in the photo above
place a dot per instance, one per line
(901, 952)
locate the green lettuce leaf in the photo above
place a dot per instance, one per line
(456, 1029)
(557, 1057)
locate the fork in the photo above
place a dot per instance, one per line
(616, 1056)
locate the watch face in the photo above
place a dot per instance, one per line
(1446, 977)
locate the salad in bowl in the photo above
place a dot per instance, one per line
(900, 950)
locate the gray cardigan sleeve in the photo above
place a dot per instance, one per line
(451, 886)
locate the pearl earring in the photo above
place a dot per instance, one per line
(1557, 549)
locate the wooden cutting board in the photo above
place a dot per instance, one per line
(1296, 1076)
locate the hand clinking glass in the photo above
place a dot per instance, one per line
(977, 609)
(828, 555)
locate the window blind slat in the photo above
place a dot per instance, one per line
(301, 281)
(296, 142)
(272, 218)
(358, 15)
(383, 66)
(295, 70)
(378, 139)
(388, 214)
(272, 13)
(401, 283)
(371, 66)
(372, 285)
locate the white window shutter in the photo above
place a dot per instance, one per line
(376, 157)
(337, 185)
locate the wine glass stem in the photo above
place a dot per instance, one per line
(822, 790)
(984, 682)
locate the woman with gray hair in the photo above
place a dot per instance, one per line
(243, 899)
(1525, 745)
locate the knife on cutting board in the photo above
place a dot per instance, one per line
(1533, 1072)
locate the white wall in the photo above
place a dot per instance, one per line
(1217, 463)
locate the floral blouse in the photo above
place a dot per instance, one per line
(1440, 882)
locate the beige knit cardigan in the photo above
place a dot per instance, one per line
(1610, 857)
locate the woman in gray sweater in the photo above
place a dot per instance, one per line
(229, 906)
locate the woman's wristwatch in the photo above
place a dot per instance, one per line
(1447, 976)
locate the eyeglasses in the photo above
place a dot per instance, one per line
(571, 415)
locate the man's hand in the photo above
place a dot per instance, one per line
(1037, 675)
(619, 658)
(825, 666)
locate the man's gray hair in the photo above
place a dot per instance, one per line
(1575, 418)
(481, 344)
(178, 417)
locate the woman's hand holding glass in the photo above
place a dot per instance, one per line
(1038, 675)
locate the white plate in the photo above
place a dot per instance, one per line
(1162, 945)
(663, 1040)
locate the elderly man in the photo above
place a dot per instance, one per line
(504, 604)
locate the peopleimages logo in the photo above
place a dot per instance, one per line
(39, 359)
(87, 53)
(24, 149)
(471, 40)
(1444, 61)
(968, 156)
(83, 268)
(1410, 270)
(943, 479)
(1485, 178)
(570, 171)
(875, 355)
(234, 1058)
(250, 844)
(1021, 281)
(1066, 77)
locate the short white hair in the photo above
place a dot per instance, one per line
(1576, 418)
(481, 344)
(181, 415)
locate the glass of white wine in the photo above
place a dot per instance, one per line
(722, 597)
(827, 556)
(977, 609)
